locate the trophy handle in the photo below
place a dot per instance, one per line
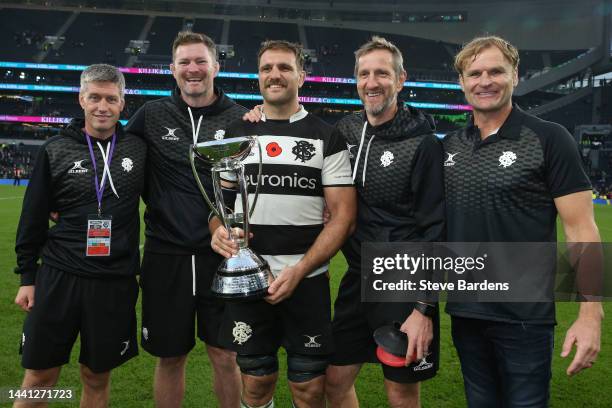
(260, 167)
(221, 215)
(199, 183)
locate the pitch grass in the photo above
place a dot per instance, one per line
(131, 383)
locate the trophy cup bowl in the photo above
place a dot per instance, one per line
(244, 276)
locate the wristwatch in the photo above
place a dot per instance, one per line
(426, 309)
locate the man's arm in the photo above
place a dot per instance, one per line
(430, 215)
(32, 229)
(576, 213)
(342, 204)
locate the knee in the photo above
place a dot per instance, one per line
(221, 359)
(172, 363)
(335, 380)
(303, 368)
(41, 378)
(336, 386)
(96, 381)
(402, 395)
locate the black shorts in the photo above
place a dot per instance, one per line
(301, 323)
(176, 292)
(354, 325)
(102, 311)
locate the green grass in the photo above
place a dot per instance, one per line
(131, 383)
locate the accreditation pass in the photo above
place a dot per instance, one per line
(99, 229)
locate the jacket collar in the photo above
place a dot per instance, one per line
(408, 121)
(76, 126)
(219, 105)
(510, 129)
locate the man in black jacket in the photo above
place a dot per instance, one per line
(178, 264)
(92, 174)
(398, 173)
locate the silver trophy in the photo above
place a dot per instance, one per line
(244, 276)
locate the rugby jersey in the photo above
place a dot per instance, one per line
(502, 189)
(301, 156)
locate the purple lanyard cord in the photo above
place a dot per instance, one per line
(100, 186)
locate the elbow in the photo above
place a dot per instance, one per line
(351, 226)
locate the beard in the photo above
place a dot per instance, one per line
(376, 110)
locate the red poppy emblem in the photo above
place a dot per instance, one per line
(273, 149)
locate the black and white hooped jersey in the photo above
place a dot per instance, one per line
(301, 156)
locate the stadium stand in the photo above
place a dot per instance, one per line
(96, 37)
(22, 32)
(162, 34)
(102, 37)
(246, 46)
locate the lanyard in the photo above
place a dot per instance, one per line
(106, 158)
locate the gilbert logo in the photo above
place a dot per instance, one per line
(450, 160)
(78, 168)
(312, 341)
(423, 365)
(349, 147)
(170, 135)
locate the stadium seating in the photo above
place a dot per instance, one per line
(96, 37)
(246, 46)
(23, 31)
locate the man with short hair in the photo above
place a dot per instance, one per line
(178, 263)
(506, 349)
(305, 166)
(92, 174)
(397, 169)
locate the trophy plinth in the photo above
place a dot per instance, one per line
(246, 275)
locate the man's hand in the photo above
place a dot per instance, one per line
(222, 244)
(254, 115)
(585, 333)
(283, 286)
(419, 329)
(25, 297)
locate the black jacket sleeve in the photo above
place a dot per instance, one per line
(428, 189)
(34, 220)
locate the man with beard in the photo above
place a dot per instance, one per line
(511, 175)
(305, 166)
(397, 169)
(92, 174)
(178, 263)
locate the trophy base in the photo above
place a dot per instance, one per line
(243, 277)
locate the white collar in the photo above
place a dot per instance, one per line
(299, 115)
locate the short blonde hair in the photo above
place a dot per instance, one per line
(380, 43)
(471, 50)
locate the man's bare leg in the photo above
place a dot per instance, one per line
(169, 382)
(226, 381)
(340, 386)
(96, 388)
(403, 395)
(38, 378)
